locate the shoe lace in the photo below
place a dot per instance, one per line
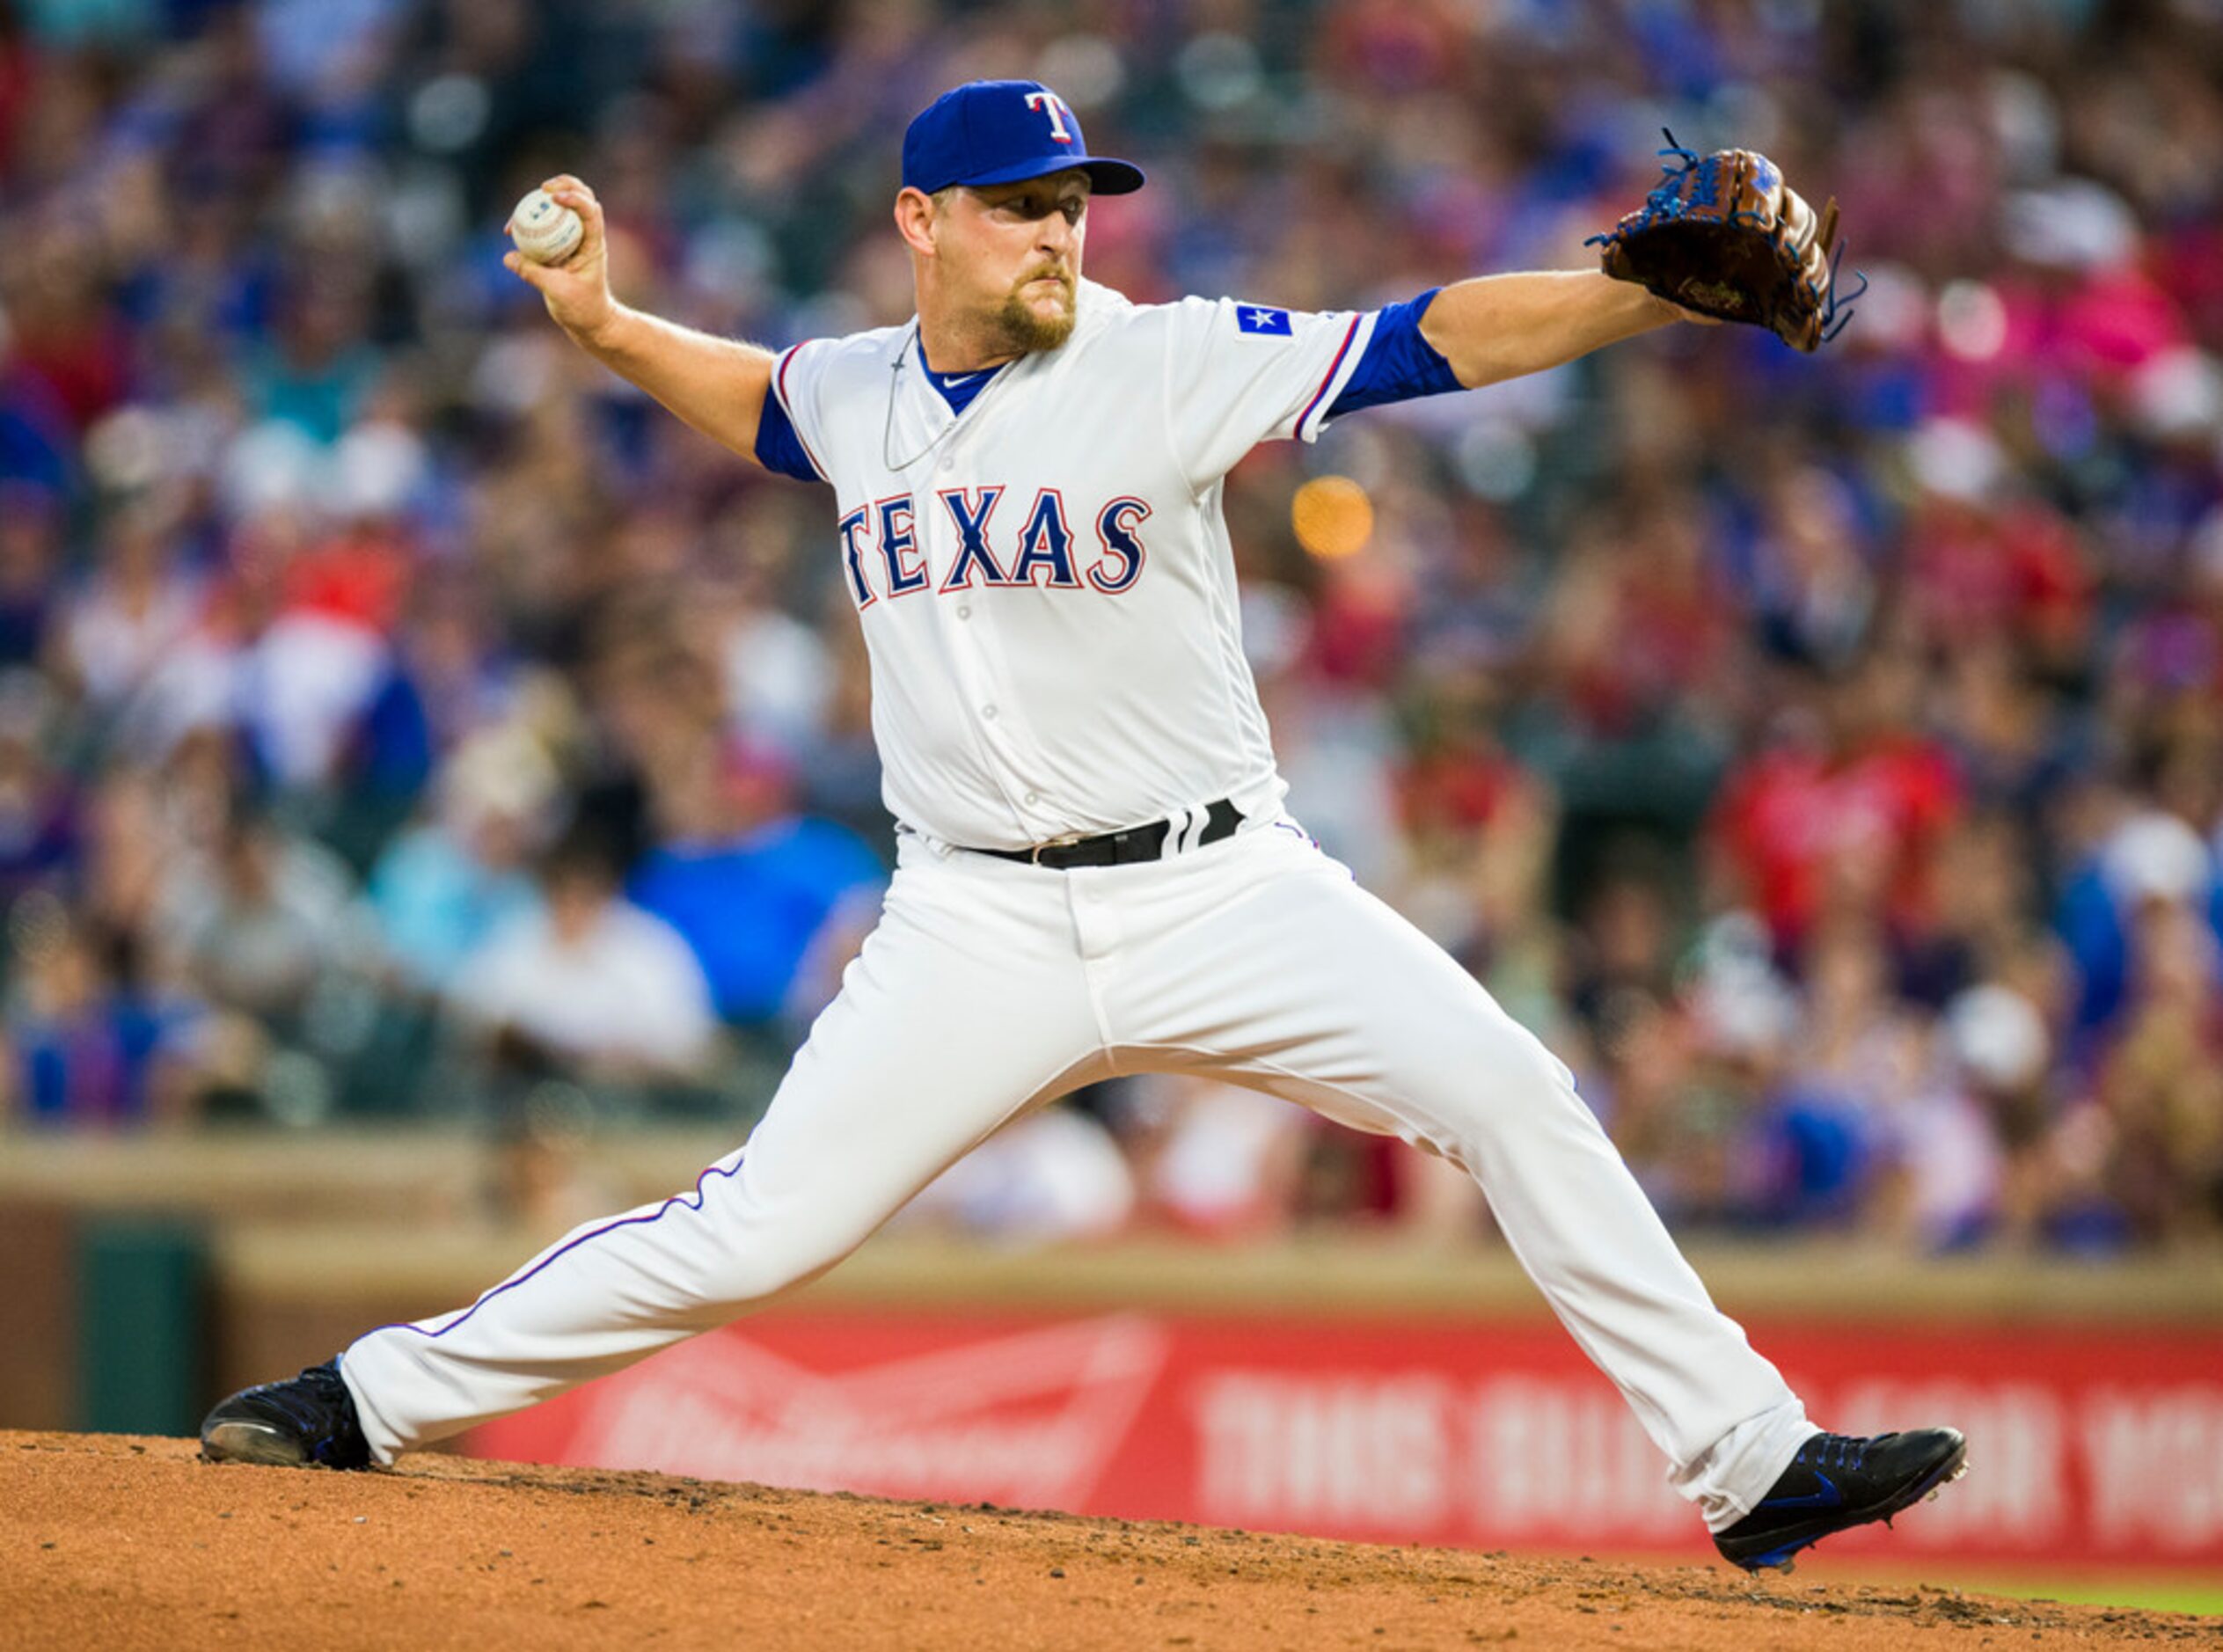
(1845, 1452)
(313, 1400)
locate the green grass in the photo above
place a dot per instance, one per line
(2136, 1589)
(2149, 1588)
(2142, 1593)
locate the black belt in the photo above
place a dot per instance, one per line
(1123, 848)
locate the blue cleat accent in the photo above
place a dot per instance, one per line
(1828, 1497)
(1837, 1481)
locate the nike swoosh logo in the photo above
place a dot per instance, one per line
(1828, 1497)
(961, 378)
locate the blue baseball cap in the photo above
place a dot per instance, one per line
(1002, 132)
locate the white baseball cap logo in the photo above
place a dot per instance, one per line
(1054, 107)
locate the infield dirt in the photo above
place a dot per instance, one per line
(119, 1543)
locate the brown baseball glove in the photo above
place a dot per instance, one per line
(1724, 235)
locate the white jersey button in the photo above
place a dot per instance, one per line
(988, 712)
(964, 610)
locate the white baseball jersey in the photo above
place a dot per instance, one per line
(1045, 584)
(1044, 580)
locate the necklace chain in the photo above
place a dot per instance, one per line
(888, 425)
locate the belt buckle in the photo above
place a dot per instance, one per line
(1035, 855)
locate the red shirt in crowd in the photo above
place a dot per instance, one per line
(1785, 818)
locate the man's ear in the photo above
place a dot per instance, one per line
(915, 215)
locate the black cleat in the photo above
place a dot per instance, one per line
(306, 1421)
(1837, 1481)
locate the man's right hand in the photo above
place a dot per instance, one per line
(718, 385)
(577, 291)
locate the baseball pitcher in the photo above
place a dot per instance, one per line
(1096, 875)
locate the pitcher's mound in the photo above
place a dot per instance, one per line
(123, 1543)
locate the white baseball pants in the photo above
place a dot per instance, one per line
(991, 987)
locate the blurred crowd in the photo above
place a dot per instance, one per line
(401, 717)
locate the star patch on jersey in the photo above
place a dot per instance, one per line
(1258, 319)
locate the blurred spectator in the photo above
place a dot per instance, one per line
(772, 902)
(39, 803)
(588, 985)
(1852, 1054)
(82, 1049)
(1056, 1174)
(2160, 1082)
(2000, 1047)
(137, 606)
(443, 889)
(1622, 963)
(30, 561)
(2151, 860)
(262, 922)
(1223, 1162)
(1842, 813)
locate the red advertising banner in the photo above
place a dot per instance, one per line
(2098, 1446)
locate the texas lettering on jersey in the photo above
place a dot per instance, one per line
(881, 549)
(1012, 700)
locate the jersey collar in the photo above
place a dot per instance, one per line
(957, 389)
(919, 418)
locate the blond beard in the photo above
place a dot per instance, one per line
(1025, 329)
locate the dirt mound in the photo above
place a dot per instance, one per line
(127, 1543)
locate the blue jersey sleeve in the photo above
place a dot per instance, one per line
(778, 446)
(1398, 364)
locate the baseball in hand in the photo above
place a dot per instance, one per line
(544, 230)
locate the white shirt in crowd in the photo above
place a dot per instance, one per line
(629, 988)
